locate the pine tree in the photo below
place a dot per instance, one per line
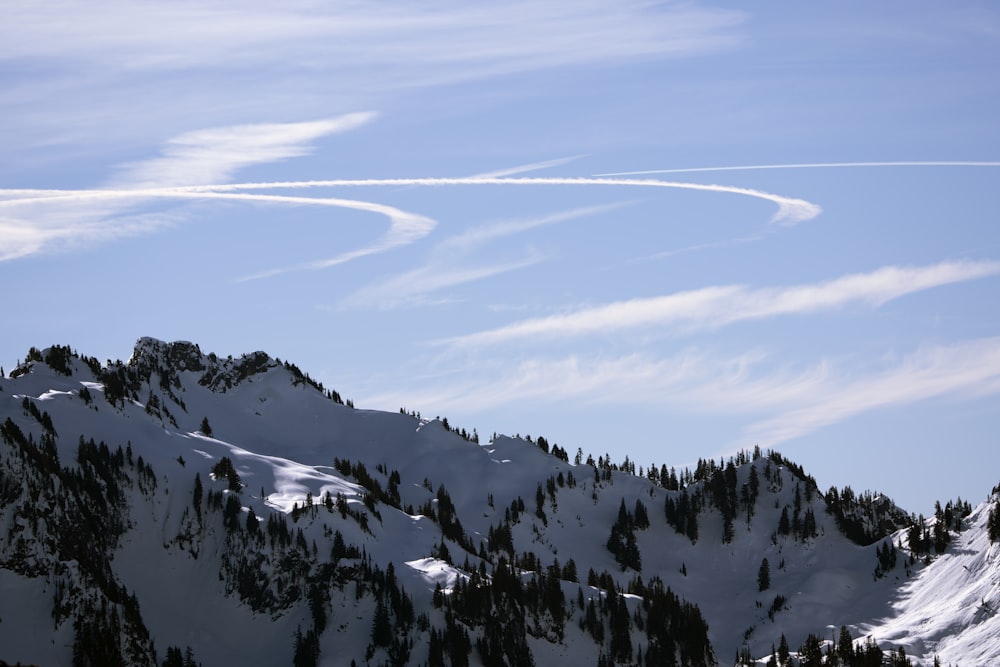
(811, 654)
(381, 629)
(993, 525)
(540, 503)
(764, 576)
(641, 516)
(174, 657)
(783, 651)
(306, 649)
(253, 523)
(621, 624)
(784, 525)
(845, 646)
(809, 524)
(198, 491)
(754, 485)
(914, 537)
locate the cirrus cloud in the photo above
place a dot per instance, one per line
(782, 403)
(719, 306)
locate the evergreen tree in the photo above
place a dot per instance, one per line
(640, 516)
(811, 653)
(198, 492)
(317, 606)
(993, 525)
(764, 576)
(306, 649)
(622, 542)
(784, 525)
(621, 626)
(845, 646)
(784, 653)
(252, 522)
(809, 524)
(692, 523)
(754, 486)
(174, 657)
(381, 628)
(540, 503)
(914, 536)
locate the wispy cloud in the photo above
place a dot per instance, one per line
(41, 221)
(525, 168)
(714, 307)
(450, 259)
(411, 287)
(34, 221)
(215, 155)
(666, 254)
(152, 63)
(476, 237)
(225, 33)
(969, 369)
(404, 227)
(782, 403)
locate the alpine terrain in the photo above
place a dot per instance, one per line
(183, 508)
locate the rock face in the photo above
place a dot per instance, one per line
(181, 508)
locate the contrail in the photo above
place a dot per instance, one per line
(534, 166)
(790, 210)
(405, 227)
(807, 165)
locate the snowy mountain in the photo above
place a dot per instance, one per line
(183, 508)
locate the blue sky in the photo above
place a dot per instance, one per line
(662, 230)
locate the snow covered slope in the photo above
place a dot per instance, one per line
(950, 608)
(235, 511)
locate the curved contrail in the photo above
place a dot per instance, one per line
(405, 227)
(790, 209)
(806, 165)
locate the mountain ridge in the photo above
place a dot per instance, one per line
(415, 497)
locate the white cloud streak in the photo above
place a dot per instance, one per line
(791, 211)
(136, 66)
(719, 306)
(419, 39)
(795, 403)
(525, 168)
(666, 254)
(971, 369)
(411, 287)
(406, 227)
(446, 267)
(214, 155)
(44, 219)
(807, 165)
(479, 236)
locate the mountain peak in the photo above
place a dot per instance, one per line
(170, 359)
(180, 355)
